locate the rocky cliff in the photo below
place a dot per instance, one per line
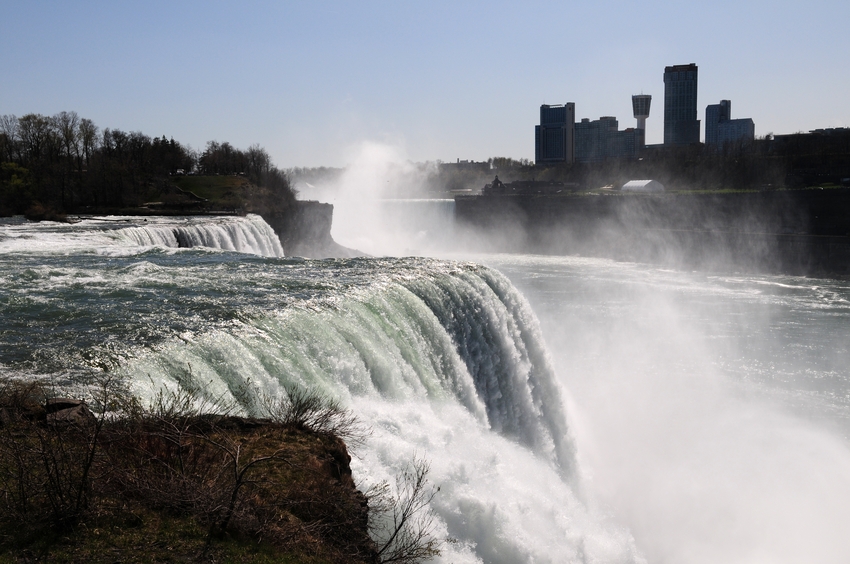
(793, 231)
(306, 231)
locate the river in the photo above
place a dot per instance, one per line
(572, 409)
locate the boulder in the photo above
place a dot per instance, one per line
(62, 411)
(58, 404)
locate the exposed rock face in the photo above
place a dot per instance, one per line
(61, 411)
(791, 231)
(67, 413)
(306, 232)
(59, 404)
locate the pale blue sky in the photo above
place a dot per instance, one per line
(440, 80)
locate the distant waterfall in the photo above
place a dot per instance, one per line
(395, 227)
(241, 234)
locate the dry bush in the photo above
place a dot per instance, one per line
(312, 411)
(402, 523)
(45, 465)
(284, 479)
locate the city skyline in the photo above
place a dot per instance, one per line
(311, 82)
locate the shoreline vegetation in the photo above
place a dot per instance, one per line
(187, 480)
(55, 166)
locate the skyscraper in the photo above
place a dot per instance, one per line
(594, 139)
(601, 139)
(681, 126)
(554, 138)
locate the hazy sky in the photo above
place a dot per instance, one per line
(439, 80)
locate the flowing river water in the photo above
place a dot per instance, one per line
(572, 409)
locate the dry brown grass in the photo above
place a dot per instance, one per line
(271, 490)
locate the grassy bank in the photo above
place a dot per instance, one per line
(221, 192)
(167, 483)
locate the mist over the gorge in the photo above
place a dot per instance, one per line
(710, 408)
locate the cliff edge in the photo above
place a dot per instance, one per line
(167, 486)
(305, 231)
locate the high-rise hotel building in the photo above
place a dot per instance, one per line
(681, 126)
(554, 138)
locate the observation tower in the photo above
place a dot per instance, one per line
(640, 106)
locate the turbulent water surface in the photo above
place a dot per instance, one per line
(648, 415)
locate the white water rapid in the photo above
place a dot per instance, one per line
(126, 235)
(443, 361)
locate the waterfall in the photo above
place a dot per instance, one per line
(465, 334)
(122, 235)
(395, 227)
(241, 234)
(440, 360)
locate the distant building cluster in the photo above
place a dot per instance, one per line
(461, 165)
(601, 139)
(721, 129)
(560, 139)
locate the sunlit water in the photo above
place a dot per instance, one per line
(649, 415)
(711, 411)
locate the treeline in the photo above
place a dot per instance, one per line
(65, 163)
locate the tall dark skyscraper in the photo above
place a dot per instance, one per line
(554, 138)
(681, 126)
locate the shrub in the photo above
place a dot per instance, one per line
(402, 523)
(284, 479)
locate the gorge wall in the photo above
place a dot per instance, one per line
(795, 231)
(306, 231)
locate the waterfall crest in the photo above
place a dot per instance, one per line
(463, 334)
(122, 235)
(250, 234)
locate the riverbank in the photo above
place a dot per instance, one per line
(171, 484)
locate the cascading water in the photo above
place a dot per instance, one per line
(711, 411)
(430, 356)
(116, 234)
(679, 417)
(442, 360)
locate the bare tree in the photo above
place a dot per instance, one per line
(9, 129)
(68, 124)
(403, 524)
(88, 139)
(259, 161)
(34, 131)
